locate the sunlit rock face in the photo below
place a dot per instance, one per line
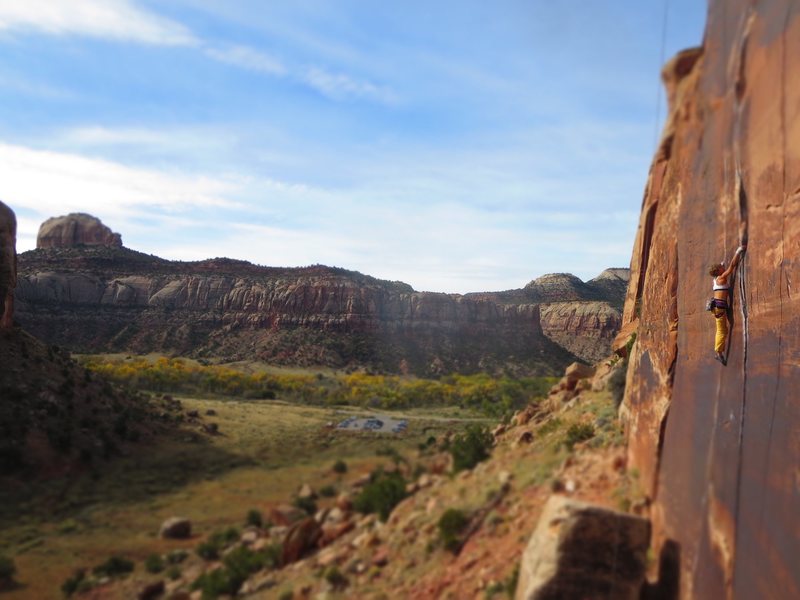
(76, 229)
(717, 447)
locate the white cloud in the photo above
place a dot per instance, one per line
(110, 19)
(339, 86)
(55, 183)
(248, 58)
(335, 86)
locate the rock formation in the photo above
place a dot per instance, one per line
(95, 299)
(717, 446)
(8, 265)
(76, 229)
(583, 551)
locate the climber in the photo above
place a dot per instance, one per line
(720, 303)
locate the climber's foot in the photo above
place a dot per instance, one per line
(721, 358)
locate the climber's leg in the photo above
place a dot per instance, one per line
(721, 337)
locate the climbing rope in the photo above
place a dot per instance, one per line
(659, 91)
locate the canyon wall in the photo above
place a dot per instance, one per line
(718, 447)
(111, 299)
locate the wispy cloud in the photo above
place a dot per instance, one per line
(339, 86)
(54, 183)
(336, 86)
(247, 58)
(111, 19)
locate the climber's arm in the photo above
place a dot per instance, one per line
(734, 263)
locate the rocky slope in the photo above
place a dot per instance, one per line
(54, 415)
(106, 298)
(718, 446)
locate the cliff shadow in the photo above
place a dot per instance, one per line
(668, 584)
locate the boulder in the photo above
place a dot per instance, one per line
(526, 437)
(176, 528)
(333, 531)
(76, 229)
(286, 514)
(583, 551)
(306, 491)
(344, 501)
(151, 591)
(301, 537)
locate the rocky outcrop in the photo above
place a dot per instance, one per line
(95, 299)
(584, 328)
(717, 446)
(583, 551)
(8, 265)
(76, 229)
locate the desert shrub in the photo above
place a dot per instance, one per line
(207, 550)
(215, 583)
(327, 491)
(511, 582)
(177, 556)
(340, 466)
(451, 524)
(254, 518)
(238, 565)
(71, 585)
(286, 595)
(471, 447)
(154, 563)
(381, 495)
(173, 573)
(306, 504)
(116, 565)
(334, 577)
(578, 432)
(7, 568)
(211, 548)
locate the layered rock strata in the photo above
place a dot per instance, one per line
(115, 299)
(718, 446)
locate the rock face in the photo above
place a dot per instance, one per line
(718, 446)
(96, 299)
(8, 265)
(584, 328)
(76, 229)
(584, 551)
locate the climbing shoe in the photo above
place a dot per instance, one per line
(721, 358)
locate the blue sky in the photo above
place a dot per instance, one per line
(454, 145)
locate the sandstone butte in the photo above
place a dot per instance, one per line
(718, 447)
(96, 296)
(76, 229)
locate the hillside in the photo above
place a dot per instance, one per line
(101, 297)
(717, 446)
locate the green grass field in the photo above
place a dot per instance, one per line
(265, 450)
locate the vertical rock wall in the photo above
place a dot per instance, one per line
(8, 265)
(718, 447)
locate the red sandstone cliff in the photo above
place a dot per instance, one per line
(718, 447)
(8, 265)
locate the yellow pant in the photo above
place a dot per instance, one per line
(721, 316)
